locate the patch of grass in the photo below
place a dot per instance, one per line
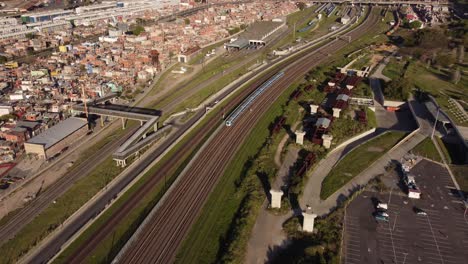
(427, 149)
(394, 69)
(461, 174)
(155, 88)
(357, 161)
(363, 89)
(216, 67)
(437, 83)
(363, 61)
(343, 127)
(322, 246)
(444, 149)
(113, 243)
(199, 57)
(78, 194)
(122, 232)
(371, 119)
(209, 232)
(57, 213)
(206, 242)
(211, 89)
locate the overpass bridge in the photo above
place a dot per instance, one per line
(148, 124)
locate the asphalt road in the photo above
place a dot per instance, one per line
(439, 237)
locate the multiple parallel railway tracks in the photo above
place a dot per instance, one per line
(164, 232)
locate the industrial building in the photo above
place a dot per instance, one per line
(45, 16)
(257, 34)
(57, 138)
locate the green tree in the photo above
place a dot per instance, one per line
(3, 59)
(398, 89)
(138, 30)
(445, 60)
(7, 117)
(415, 24)
(187, 21)
(301, 5)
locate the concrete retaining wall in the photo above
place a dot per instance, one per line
(393, 103)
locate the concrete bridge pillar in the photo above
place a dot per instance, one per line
(121, 163)
(142, 122)
(155, 127)
(313, 108)
(124, 121)
(327, 139)
(300, 137)
(336, 112)
(276, 198)
(309, 219)
(102, 121)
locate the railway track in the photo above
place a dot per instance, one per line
(58, 188)
(26, 214)
(164, 233)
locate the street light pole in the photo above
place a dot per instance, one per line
(404, 259)
(394, 223)
(435, 123)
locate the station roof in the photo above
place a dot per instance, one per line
(258, 30)
(58, 132)
(239, 43)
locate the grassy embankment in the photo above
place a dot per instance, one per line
(354, 162)
(239, 192)
(213, 238)
(394, 68)
(437, 83)
(113, 242)
(54, 215)
(427, 149)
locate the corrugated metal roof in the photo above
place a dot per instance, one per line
(58, 132)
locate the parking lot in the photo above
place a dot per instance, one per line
(441, 236)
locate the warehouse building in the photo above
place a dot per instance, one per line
(258, 34)
(57, 138)
(45, 16)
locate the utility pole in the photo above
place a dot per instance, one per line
(435, 123)
(294, 31)
(84, 101)
(404, 259)
(394, 223)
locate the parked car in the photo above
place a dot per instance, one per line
(419, 211)
(381, 218)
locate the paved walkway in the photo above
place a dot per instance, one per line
(267, 232)
(281, 145)
(311, 195)
(378, 71)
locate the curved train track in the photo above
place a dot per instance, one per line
(164, 233)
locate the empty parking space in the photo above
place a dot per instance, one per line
(441, 236)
